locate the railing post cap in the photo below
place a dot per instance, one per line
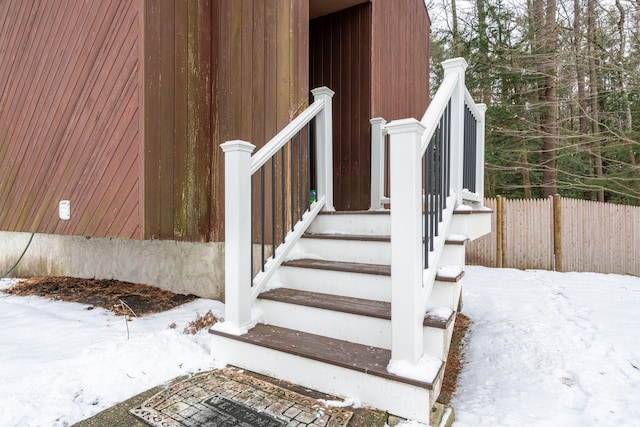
(451, 64)
(237, 145)
(481, 107)
(377, 120)
(405, 126)
(322, 90)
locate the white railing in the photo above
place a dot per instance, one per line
(473, 175)
(419, 211)
(241, 288)
(379, 132)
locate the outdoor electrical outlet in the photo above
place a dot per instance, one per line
(64, 209)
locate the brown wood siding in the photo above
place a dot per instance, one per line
(214, 70)
(69, 124)
(177, 132)
(260, 78)
(340, 48)
(375, 56)
(400, 59)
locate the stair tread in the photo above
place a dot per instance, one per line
(358, 357)
(367, 212)
(354, 267)
(344, 236)
(365, 237)
(351, 267)
(351, 305)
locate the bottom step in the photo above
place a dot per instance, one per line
(329, 365)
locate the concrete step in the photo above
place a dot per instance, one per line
(331, 366)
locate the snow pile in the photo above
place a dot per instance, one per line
(449, 271)
(425, 370)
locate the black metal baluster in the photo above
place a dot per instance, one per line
(273, 207)
(425, 214)
(300, 182)
(448, 142)
(283, 210)
(252, 231)
(308, 186)
(436, 170)
(293, 192)
(262, 214)
(432, 197)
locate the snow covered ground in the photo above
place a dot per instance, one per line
(550, 349)
(61, 363)
(545, 349)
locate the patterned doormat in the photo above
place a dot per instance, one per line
(228, 397)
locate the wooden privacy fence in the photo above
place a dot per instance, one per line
(560, 234)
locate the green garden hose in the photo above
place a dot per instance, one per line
(19, 259)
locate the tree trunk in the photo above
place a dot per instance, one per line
(545, 42)
(457, 40)
(593, 92)
(583, 126)
(483, 53)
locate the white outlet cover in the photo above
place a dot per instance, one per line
(64, 209)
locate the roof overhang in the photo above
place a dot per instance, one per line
(319, 8)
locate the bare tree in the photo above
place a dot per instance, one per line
(544, 43)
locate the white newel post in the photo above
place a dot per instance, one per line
(324, 146)
(457, 66)
(406, 239)
(482, 108)
(237, 223)
(377, 162)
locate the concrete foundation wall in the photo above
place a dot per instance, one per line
(182, 267)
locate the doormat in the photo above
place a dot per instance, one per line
(229, 397)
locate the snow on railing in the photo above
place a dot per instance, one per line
(290, 205)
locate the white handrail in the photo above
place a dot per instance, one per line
(239, 168)
(472, 105)
(411, 282)
(277, 142)
(431, 117)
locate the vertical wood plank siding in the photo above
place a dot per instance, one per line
(121, 105)
(375, 56)
(215, 70)
(177, 130)
(400, 59)
(261, 78)
(69, 124)
(341, 60)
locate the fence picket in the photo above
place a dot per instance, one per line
(588, 236)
